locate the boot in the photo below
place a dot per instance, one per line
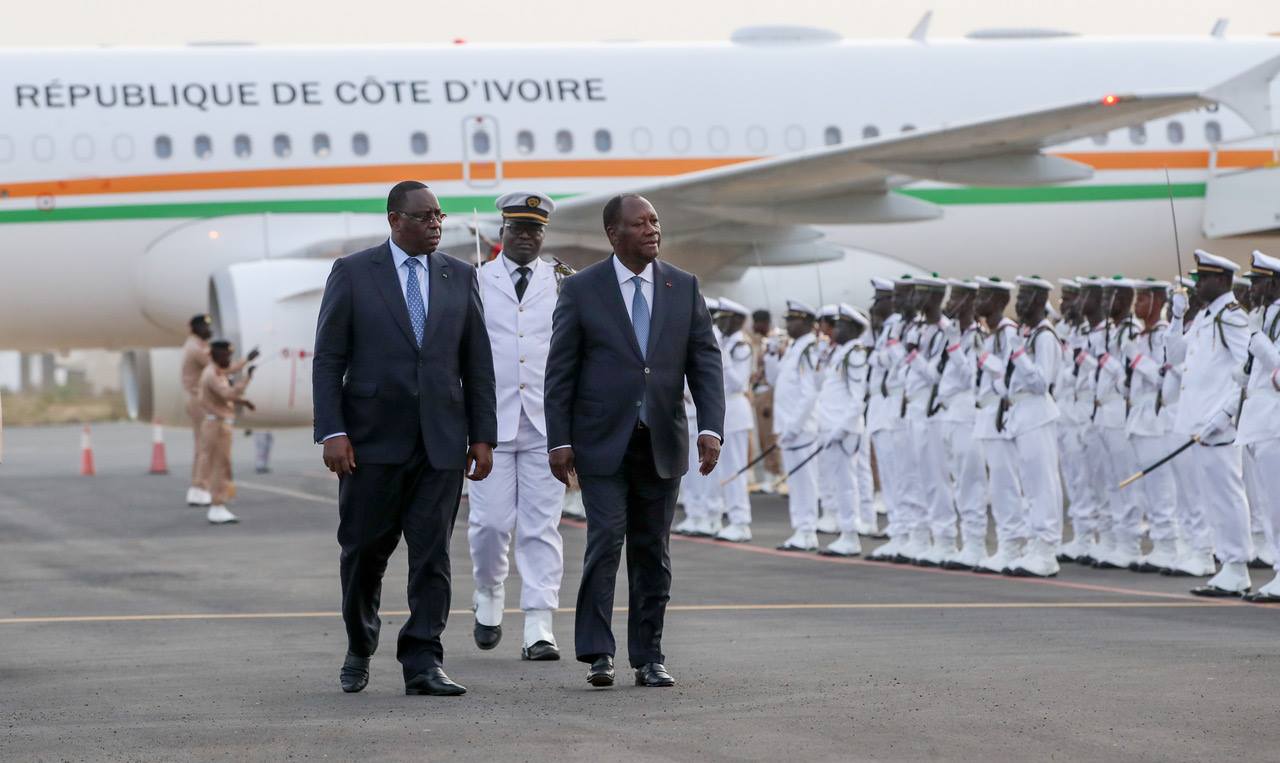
(846, 545)
(1231, 580)
(969, 557)
(1039, 560)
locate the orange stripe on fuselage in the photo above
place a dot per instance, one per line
(529, 169)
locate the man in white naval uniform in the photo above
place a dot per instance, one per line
(1075, 404)
(700, 493)
(1217, 349)
(840, 425)
(885, 425)
(739, 420)
(523, 497)
(965, 463)
(1259, 432)
(794, 378)
(827, 524)
(1259, 517)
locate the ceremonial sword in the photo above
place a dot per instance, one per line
(1139, 475)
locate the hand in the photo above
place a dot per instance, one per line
(1216, 427)
(339, 456)
(479, 461)
(248, 405)
(252, 356)
(1178, 304)
(835, 437)
(251, 370)
(1257, 341)
(708, 453)
(561, 460)
(1255, 322)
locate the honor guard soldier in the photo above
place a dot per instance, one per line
(700, 493)
(739, 362)
(795, 384)
(954, 408)
(195, 357)
(1259, 425)
(884, 421)
(218, 397)
(1217, 350)
(768, 344)
(827, 524)
(840, 425)
(521, 497)
(1075, 405)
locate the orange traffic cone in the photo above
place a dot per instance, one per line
(86, 454)
(159, 464)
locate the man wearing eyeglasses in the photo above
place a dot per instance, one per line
(403, 388)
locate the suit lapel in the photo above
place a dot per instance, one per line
(437, 295)
(388, 282)
(614, 304)
(497, 273)
(661, 306)
(542, 278)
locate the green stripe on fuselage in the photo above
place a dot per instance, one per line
(458, 205)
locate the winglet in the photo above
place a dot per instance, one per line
(921, 29)
(1220, 28)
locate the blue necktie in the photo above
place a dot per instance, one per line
(413, 298)
(640, 317)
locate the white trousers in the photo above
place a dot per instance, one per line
(802, 487)
(1125, 506)
(1259, 517)
(701, 494)
(887, 459)
(733, 456)
(1083, 487)
(1192, 521)
(839, 478)
(520, 495)
(1007, 508)
(866, 485)
(1220, 486)
(1263, 459)
(1158, 487)
(968, 473)
(1041, 484)
(933, 479)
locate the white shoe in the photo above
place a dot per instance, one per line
(711, 525)
(1163, 556)
(198, 497)
(887, 550)
(1077, 548)
(846, 545)
(1039, 560)
(1003, 559)
(1193, 564)
(1231, 580)
(827, 523)
(735, 534)
(688, 527)
(218, 515)
(572, 506)
(488, 604)
(916, 547)
(1120, 556)
(800, 540)
(969, 557)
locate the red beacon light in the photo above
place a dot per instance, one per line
(1110, 100)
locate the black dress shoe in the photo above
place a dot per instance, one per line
(1261, 598)
(654, 674)
(354, 675)
(601, 673)
(1256, 563)
(540, 651)
(487, 636)
(1214, 592)
(434, 682)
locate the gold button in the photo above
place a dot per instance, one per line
(521, 360)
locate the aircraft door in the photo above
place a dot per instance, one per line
(481, 152)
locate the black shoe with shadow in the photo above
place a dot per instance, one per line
(435, 683)
(601, 673)
(654, 674)
(354, 675)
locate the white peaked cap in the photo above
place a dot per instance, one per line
(957, 283)
(1265, 265)
(1068, 283)
(1212, 263)
(828, 311)
(1119, 282)
(993, 283)
(849, 312)
(1035, 282)
(1187, 282)
(881, 284)
(796, 306)
(729, 306)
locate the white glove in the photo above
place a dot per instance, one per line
(788, 439)
(1178, 305)
(1257, 343)
(1217, 426)
(1239, 376)
(1255, 321)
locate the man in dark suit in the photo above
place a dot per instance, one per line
(626, 334)
(403, 377)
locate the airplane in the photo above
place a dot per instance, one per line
(139, 186)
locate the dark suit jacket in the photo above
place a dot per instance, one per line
(596, 376)
(370, 380)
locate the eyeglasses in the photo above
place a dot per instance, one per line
(424, 217)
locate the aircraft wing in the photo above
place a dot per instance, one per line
(762, 210)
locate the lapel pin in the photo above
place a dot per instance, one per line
(668, 284)
(444, 274)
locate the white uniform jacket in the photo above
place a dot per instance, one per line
(795, 393)
(1037, 358)
(739, 360)
(1260, 418)
(520, 335)
(1217, 347)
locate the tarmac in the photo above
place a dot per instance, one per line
(130, 629)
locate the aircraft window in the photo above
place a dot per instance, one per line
(641, 140)
(718, 139)
(481, 142)
(1212, 131)
(122, 147)
(164, 147)
(524, 142)
(241, 146)
(1138, 135)
(320, 144)
(1174, 131)
(564, 141)
(1100, 139)
(6, 148)
(908, 127)
(82, 147)
(604, 141)
(831, 136)
(360, 144)
(757, 138)
(42, 148)
(794, 138)
(282, 145)
(870, 131)
(418, 143)
(680, 139)
(204, 147)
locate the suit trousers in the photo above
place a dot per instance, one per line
(732, 458)
(376, 504)
(969, 477)
(523, 497)
(802, 487)
(632, 506)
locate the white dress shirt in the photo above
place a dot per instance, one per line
(513, 266)
(629, 289)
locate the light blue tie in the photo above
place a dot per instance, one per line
(413, 299)
(640, 317)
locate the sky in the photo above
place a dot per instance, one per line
(177, 22)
